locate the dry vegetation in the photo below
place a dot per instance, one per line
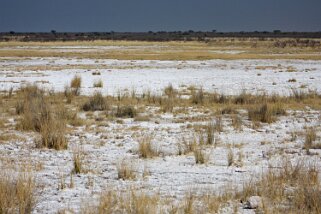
(250, 48)
(17, 192)
(288, 188)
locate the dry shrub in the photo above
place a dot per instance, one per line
(75, 85)
(145, 148)
(125, 170)
(125, 111)
(17, 193)
(96, 103)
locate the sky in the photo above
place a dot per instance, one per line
(159, 15)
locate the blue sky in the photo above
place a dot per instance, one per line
(157, 15)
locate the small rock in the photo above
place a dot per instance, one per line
(253, 202)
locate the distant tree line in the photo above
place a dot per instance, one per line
(190, 35)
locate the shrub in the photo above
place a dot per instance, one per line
(96, 103)
(292, 80)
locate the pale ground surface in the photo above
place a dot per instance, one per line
(170, 175)
(227, 77)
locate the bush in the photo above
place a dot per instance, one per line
(95, 103)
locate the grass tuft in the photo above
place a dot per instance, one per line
(96, 103)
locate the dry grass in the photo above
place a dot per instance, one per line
(98, 84)
(290, 188)
(145, 148)
(200, 156)
(78, 160)
(75, 85)
(192, 50)
(230, 157)
(197, 97)
(210, 137)
(129, 202)
(187, 146)
(125, 111)
(37, 115)
(96, 103)
(265, 113)
(237, 122)
(126, 170)
(17, 193)
(310, 137)
(53, 135)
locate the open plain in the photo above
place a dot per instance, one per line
(225, 126)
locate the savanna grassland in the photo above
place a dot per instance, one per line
(230, 125)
